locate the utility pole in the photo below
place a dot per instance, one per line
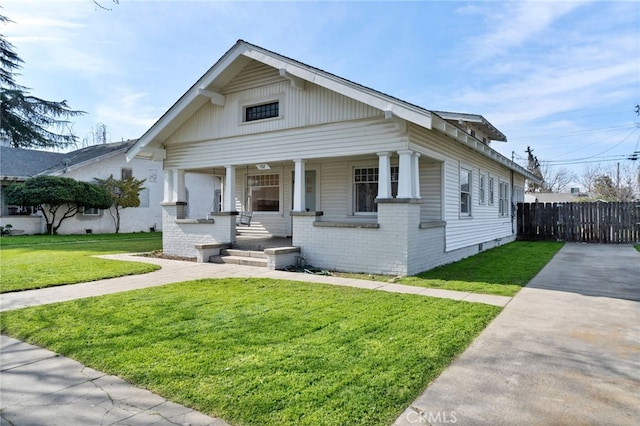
(618, 184)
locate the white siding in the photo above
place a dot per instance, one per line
(430, 190)
(329, 140)
(298, 108)
(485, 223)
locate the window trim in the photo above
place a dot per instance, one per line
(491, 190)
(247, 190)
(96, 214)
(469, 192)
(482, 189)
(243, 105)
(394, 192)
(503, 202)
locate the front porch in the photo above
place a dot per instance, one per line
(361, 213)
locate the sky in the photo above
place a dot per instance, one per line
(560, 77)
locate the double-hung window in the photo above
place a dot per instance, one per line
(490, 189)
(366, 188)
(264, 193)
(504, 198)
(465, 192)
(482, 189)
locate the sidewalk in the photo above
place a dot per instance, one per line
(565, 351)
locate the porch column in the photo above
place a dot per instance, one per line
(416, 174)
(179, 191)
(230, 189)
(299, 186)
(168, 186)
(384, 175)
(406, 180)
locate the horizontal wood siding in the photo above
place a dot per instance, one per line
(485, 223)
(253, 74)
(334, 188)
(256, 84)
(430, 190)
(330, 140)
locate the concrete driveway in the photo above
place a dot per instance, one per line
(564, 351)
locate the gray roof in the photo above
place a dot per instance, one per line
(20, 164)
(89, 153)
(25, 163)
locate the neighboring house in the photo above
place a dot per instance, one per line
(361, 181)
(84, 164)
(557, 197)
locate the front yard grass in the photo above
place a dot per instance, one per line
(38, 261)
(263, 351)
(502, 270)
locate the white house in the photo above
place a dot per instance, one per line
(360, 180)
(97, 161)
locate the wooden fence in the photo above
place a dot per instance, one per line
(600, 222)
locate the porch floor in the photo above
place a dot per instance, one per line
(259, 243)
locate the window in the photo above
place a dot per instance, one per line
(126, 174)
(504, 198)
(366, 188)
(264, 193)
(90, 211)
(482, 189)
(491, 187)
(465, 192)
(260, 112)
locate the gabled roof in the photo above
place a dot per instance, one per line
(21, 164)
(207, 88)
(474, 120)
(88, 154)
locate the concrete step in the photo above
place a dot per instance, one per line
(240, 260)
(243, 253)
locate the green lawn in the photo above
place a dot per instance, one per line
(38, 261)
(502, 270)
(262, 351)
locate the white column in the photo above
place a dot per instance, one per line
(405, 177)
(384, 175)
(179, 190)
(416, 174)
(168, 186)
(299, 186)
(229, 204)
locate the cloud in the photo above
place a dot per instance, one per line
(126, 112)
(515, 25)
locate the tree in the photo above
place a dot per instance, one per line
(533, 165)
(28, 121)
(124, 193)
(58, 198)
(618, 182)
(556, 179)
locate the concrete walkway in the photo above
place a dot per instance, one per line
(176, 270)
(565, 351)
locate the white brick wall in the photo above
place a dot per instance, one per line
(397, 247)
(180, 237)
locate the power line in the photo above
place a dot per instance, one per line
(577, 132)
